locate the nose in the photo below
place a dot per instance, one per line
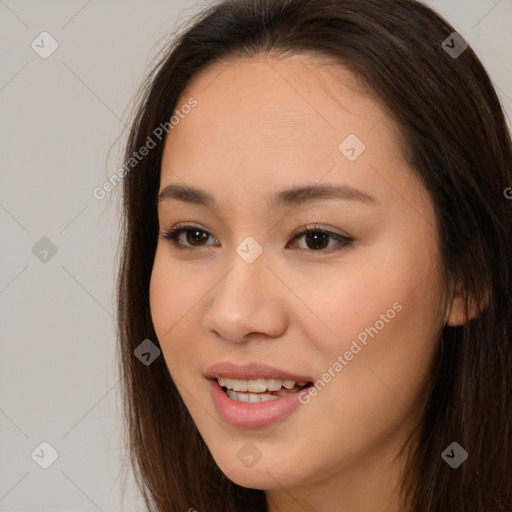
(248, 301)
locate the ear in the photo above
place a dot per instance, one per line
(457, 314)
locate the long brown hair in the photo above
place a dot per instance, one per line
(457, 142)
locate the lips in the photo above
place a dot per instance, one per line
(252, 371)
(254, 395)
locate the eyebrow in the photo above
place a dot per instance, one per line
(293, 196)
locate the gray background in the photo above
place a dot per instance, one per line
(59, 117)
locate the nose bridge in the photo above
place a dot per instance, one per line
(244, 301)
(241, 288)
(248, 264)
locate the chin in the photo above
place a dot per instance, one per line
(253, 478)
(263, 475)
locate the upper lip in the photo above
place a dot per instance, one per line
(250, 371)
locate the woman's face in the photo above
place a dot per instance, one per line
(250, 298)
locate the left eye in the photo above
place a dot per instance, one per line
(316, 240)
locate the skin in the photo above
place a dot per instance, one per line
(263, 124)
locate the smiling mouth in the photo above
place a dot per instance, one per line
(259, 390)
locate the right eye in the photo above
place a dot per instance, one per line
(194, 236)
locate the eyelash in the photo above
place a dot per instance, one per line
(344, 241)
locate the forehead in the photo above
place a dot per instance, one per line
(263, 122)
(277, 100)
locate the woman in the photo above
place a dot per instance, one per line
(317, 239)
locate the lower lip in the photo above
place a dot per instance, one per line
(246, 415)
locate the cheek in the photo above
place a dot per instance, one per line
(350, 302)
(364, 296)
(384, 318)
(387, 325)
(174, 290)
(162, 296)
(173, 295)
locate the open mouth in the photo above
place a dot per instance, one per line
(259, 390)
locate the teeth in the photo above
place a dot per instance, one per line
(225, 382)
(274, 384)
(249, 397)
(239, 385)
(258, 385)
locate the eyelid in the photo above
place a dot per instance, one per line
(318, 227)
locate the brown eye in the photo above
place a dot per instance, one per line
(194, 237)
(318, 240)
